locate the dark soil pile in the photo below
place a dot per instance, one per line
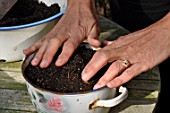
(28, 11)
(65, 79)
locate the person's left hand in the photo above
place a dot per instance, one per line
(130, 55)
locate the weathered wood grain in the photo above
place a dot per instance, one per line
(15, 100)
(15, 111)
(11, 66)
(11, 80)
(133, 106)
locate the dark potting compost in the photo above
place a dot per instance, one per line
(28, 11)
(67, 78)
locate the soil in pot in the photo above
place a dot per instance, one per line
(67, 78)
(28, 11)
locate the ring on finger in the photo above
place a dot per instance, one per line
(125, 63)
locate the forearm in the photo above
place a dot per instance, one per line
(164, 24)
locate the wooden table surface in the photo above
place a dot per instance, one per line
(143, 89)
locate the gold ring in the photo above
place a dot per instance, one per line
(125, 63)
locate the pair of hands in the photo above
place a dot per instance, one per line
(144, 49)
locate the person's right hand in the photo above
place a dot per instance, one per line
(79, 22)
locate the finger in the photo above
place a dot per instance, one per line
(106, 43)
(95, 64)
(39, 54)
(93, 37)
(50, 52)
(68, 48)
(33, 48)
(127, 75)
(38, 44)
(115, 69)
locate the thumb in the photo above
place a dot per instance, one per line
(93, 37)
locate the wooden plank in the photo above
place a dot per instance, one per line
(10, 66)
(152, 74)
(12, 80)
(149, 85)
(15, 100)
(20, 100)
(12, 85)
(133, 106)
(143, 95)
(15, 111)
(12, 76)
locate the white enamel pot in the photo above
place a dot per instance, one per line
(95, 101)
(14, 39)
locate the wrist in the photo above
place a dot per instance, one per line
(89, 4)
(80, 1)
(165, 21)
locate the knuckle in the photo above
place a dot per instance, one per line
(82, 28)
(65, 32)
(101, 83)
(55, 40)
(68, 28)
(69, 44)
(42, 40)
(130, 72)
(47, 55)
(117, 43)
(120, 81)
(103, 80)
(110, 84)
(118, 66)
(38, 55)
(116, 82)
(104, 54)
(34, 47)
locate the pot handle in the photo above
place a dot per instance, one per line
(111, 102)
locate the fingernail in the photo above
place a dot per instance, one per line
(34, 61)
(96, 87)
(43, 64)
(26, 52)
(59, 62)
(84, 76)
